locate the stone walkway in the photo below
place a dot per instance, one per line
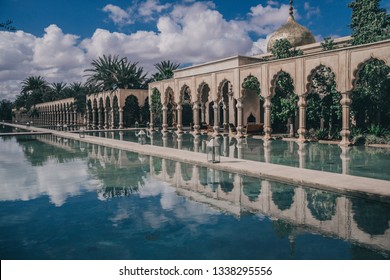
(346, 184)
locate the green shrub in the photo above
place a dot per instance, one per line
(377, 130)
(321, 134)
(373, 139)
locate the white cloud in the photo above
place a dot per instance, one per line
(150, 7)
(189, 33)
(266, 19)
(118, 15)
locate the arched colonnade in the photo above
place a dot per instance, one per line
(105, 109)
(217, 95)
(59, 112)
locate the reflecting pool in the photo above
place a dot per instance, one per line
(359, 160)
(62, 199)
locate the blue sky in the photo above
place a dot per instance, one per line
(58, 39)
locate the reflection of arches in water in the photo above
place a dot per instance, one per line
(186, 171)
(251, 187)
(283, 229)
(227, 180)
(203, 175)
(171, 167)
(371, 216)
(157, 165)
(282, 195)
(322, 204)
(132, 157)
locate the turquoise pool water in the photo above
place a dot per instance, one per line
(360, 160)
(61, 199)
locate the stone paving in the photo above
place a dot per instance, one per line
(346, 184)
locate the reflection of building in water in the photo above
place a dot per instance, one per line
(327, 213)
(292, 209)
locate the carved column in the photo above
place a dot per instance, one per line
(203, 112)
(267, 118)
(165, 118)
(345, 132)
(120, 118)
(216, 124)
(75, 121)
(179, 118)
(302, 119)
(225, 118)
(112, 118)
(196, 118)
(239, 118)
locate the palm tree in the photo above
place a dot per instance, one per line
(78, 91)
(110, 72)
(33, 83)
(56, 91)
(165, 70)
(33, 90)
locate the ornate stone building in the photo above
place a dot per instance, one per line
(215, 94)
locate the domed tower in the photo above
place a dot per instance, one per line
(295, 33)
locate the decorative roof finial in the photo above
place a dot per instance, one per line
(291, 9)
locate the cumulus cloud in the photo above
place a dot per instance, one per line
(150, 8)
(190, 32)
(118, 15)
(266, 19)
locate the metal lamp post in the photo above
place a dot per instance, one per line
(213, 151)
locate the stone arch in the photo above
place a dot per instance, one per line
(186, 100)
(288, 121)
(252, 99)
(323, 106)
(204, 98)
(370, 93)
(169, 102)
(131, 111)
(224, 85)
(360, 66)
(275, 79)
(169, 96)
